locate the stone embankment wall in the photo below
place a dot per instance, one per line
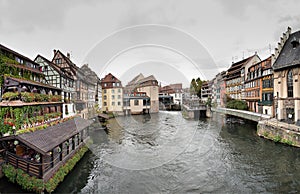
(279, 133)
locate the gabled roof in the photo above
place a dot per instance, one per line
(45, 140)
(289, 56)
(110, 78)
(57, 68)
(236, 67)
(72, 65)
(136, 79)
(149, 78)
(89, 74)
(239, 64)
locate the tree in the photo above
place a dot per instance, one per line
(196, 86)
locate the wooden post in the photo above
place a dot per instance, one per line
(78, 140)
(61, 151)
(73, 143)
(52, 159)
(41, 166)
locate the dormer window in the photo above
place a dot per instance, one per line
(295, 42)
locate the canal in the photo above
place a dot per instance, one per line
(163, 153)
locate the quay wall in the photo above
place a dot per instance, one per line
(279, 133)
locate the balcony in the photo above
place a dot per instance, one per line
(265, 103)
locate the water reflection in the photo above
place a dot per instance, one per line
(220, 159)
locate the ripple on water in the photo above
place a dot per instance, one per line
(217, 159)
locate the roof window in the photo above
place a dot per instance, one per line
(295, 42)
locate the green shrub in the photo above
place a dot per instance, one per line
(286, 141)
(10, 96)
(237, 104)
(10, 172)
(44, 97)
(277, 138)
(34, 184)
(27, 97)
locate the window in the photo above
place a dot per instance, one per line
(119, 96)
(66, 110)
(290, 83)
(113, 97)
(105, 97)
(113, 91)
(119, 90)
(119, 103)
(113, 103)
(58, 61)
(104, 104)
(104, 91)
(136, 102)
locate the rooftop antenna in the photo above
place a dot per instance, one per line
(270, 49)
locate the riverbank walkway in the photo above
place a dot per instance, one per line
(242, 114)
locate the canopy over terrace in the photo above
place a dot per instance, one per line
(52, 147)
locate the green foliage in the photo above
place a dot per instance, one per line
(64, 170)
(55, 98)
(277, 138)
(287, 141)
(236, 104)
(26, 181)
(17, 116)
(195, 86)
(27, 96)
(10, 172)
(266, 134)
(37, 185)
(13, 71)
(10, 96)
(32, 129)
(209, 102)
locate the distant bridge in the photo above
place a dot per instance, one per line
(194, 112)
(242, 114)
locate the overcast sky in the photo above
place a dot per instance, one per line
(185, 39)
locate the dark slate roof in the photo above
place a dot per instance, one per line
(30, 82)
(45, 140)
(25, 67)
(288, 56)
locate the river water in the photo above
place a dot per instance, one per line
(163, 153)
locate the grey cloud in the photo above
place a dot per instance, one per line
(24, 15)
(286, 18)
(160, 12)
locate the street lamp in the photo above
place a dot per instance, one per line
(276, 109)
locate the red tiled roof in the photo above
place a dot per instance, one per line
(110, 78)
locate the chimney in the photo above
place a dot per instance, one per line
(54, 51)
(289, 30)
(68, 55)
